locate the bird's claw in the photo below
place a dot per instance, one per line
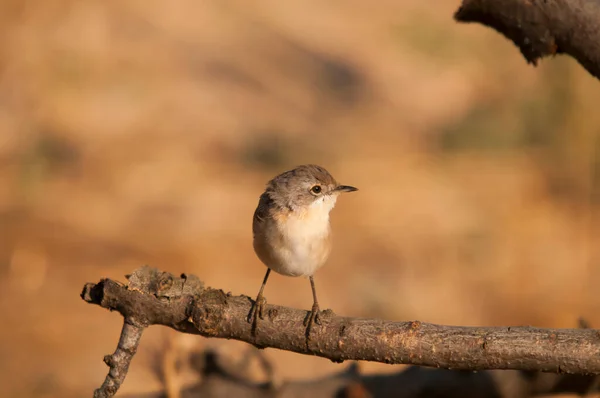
(313, 317)
(257, 310)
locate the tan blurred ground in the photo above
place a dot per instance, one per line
(142, 132)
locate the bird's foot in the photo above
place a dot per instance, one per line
(313, 317)
(257, 311)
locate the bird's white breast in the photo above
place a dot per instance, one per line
(305, 239)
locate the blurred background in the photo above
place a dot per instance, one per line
(143, 132)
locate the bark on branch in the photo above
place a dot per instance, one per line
(543, 27)
(183, 303)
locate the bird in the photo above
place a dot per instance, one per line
(291, 230)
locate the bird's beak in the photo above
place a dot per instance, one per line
(345, 188)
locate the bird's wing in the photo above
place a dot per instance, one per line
(262, 213)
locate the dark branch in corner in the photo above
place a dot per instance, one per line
(184, 304)
(543, 27)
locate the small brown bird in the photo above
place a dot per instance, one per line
(291, 230)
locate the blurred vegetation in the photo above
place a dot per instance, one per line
(538, 123)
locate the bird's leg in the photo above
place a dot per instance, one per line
(313, 315)
(258, 307)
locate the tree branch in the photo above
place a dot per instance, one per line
(184, 304)
(543, 27)
(120, 360)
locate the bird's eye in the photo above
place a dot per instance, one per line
(316, 189)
